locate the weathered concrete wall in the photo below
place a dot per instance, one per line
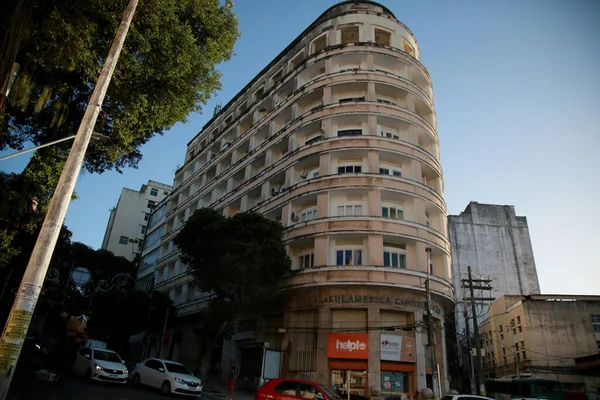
(496, 244)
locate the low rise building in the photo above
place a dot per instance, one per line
(541, 336)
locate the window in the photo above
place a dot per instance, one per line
(500, 328)
(390, 135)
(307, 261)
(520, 328)
(596, 322)
(502, 336)
(123, 240)
(154, 364)
(297, 60)
(151, 204)
(427, 219)
(350, 132)
(351, 99)
(277, 77)
(146, 216)
(392, 212)
(165, 192)
(387, 170)
(350, 34)
(525, 354)
(394, 258)
(86, 351)
(286, 387)
(407, 47)
(313, 139)
(382, 37)
(319, 44)
(349, 169)
(307, 391)
(154, 192)
(349, 257)
(349, 210)
(308, 215)
(518, 319)
(505, 360)
(143, 229)
(259, 93)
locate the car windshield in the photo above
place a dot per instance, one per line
(329, 392)
(177, 368)
(102, 355)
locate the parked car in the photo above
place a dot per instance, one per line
(169, 376)
(100, 365)
(289, 389)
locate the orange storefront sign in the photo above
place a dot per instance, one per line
(348, 345)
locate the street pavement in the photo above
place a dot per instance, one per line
(69, 388)
(78, 389)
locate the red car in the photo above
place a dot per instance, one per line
(294, 389)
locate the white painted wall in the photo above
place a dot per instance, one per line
(129, 216)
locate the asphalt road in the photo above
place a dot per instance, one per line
(77, 389)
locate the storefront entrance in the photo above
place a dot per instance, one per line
(349, 384)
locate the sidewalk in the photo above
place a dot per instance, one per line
(220, 391)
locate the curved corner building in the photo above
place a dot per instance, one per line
(336, 139)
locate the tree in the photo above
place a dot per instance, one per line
(166, 71)
(235, 260)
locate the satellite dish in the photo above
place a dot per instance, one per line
(81, 276)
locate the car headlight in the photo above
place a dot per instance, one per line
(179, 380)
(99, 368)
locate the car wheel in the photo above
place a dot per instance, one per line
(165, 389)
(136, 380)
(88, 374)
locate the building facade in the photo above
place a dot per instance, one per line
(542, 336)
(128, 220)
(336, 139)
(495, 243)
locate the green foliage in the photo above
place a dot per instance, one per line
(166, 70)
(235, 258)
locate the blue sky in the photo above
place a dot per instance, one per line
(517, 94)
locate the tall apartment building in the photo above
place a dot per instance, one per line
(545, 336)
(336, 139)
(128, 220)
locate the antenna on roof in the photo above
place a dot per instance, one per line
(217, 108)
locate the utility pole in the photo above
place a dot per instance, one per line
(479, 379)
(17, 324)
(469, 358)
(430, 334)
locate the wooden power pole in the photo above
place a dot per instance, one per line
(472, 285)
(17, 324)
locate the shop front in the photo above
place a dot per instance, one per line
(348, 355)
(398, 359)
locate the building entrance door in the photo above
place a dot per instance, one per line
(349, 384)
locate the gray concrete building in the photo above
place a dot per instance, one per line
(495, 243)
(128, 220)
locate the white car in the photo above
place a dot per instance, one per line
(169, 376)
(100, 365)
